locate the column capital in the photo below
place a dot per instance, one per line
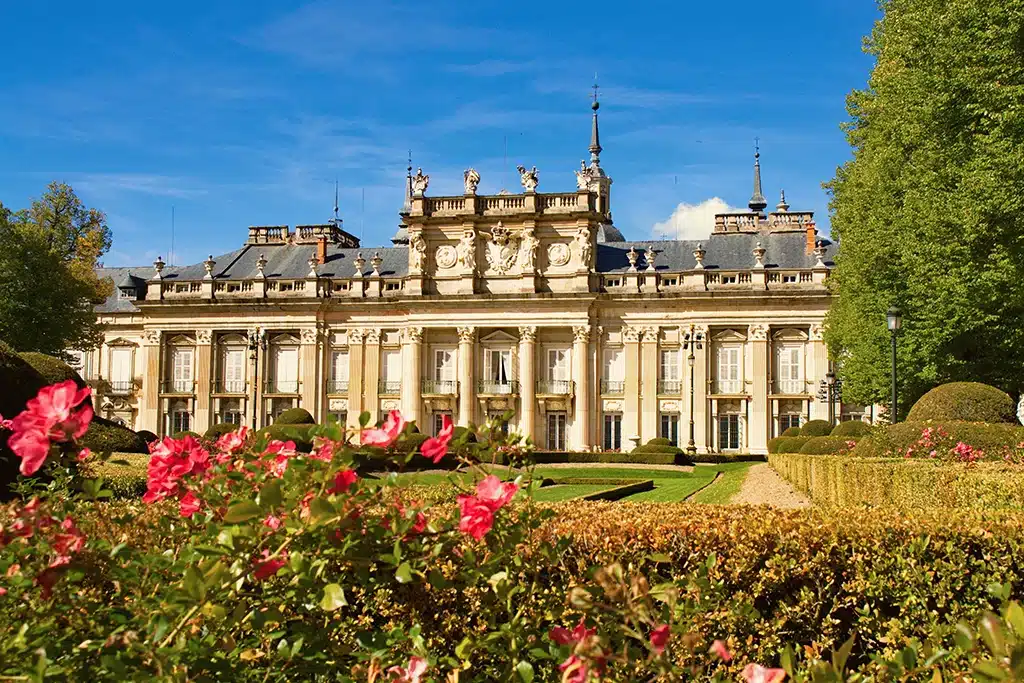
(204, 336)
(356, 336)
(757, 332)
(581, 334)
(413, 335)
(651, 334)
(373, 336)
(152, 337)
(308, 335)
(528, 333)
(817, 333)
(466, 335)
(630, 334)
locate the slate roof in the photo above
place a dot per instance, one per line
(134, 276)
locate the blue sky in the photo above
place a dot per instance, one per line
(242, 113)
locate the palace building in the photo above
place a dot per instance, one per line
(530, 304)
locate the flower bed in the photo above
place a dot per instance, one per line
(904, 483)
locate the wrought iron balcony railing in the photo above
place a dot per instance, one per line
(790, 386)
(439, 387)
(178, 386)
(122, 387)
(337, 386)
(613, 387)
(230, 386)
(281, 386)
(728, 386)
(670, 386)
(497, 388)
(555, 387)
(387, 387)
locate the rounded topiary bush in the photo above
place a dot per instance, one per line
(187, 432)
(52, 370)
(105, 436)
(773, 444)
(855, 428)
(790, 444)
(791, 431)
(826, 445)
(295, 416)
(995, 440)
(149, 436)
(299, 433)
(19, 383)
(816, 428)
(964, 402)
(658, 442)
(220, 429)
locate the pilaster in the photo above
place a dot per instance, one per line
(581, 375)
(204, 358)
(527, 381)
(817, 367)
(631, 390)
(371, 385)
(467, 383)
(649, 393)
(758, 431)
(311, 388)
(149, 411)
(356, 353)
(701, 405)
(412, 361)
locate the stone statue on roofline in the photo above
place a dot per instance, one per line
(420, 183)
(528, 178)
(584, 176)
(471, 179)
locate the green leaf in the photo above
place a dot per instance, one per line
(525, 671)
(992, 635)
(660, 558)
(320, 509)
(463, 649)
(193, 583)
(1015, 618)
(840, 656)
(404, 573)
(334, 597)
(270, 494)
(241, 511)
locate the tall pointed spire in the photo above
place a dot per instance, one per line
(407, 205)
(595, 138)
(337, 219)
(757, 201)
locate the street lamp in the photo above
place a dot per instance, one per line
(692, 340)
(257, 341)
(830, 392)
(894, 321)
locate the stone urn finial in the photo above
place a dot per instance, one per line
(208, 264)
(759, 253)
(314, 263)
(698, 256)
(360, 264)
(375, 263)
(159, 266)
(632, 257)
(261, 264)
(651, 255)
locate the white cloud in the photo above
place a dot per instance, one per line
(692, 221)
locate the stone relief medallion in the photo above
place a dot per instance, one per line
(446, 256)
(389, 405)
(558, 254)
(556, 405)
(669, 407)
(338, 404)
(499, 404)
(613, 406)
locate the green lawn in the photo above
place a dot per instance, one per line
(553, 494)
(726, 486)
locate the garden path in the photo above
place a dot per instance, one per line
(764, 486)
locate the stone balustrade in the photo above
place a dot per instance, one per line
(504, 204)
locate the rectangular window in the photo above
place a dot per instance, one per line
(120, 370)
(789, 279)
(788, 369)
(285, 369)
(339, 416)
(391, 371)
(612, 431)
(232, 369)
(181, 368)
(729, 375)
(613, 282)
(181, 420)
(498, 368)
(670, 428)
(670, 282)
(339, 372)
(613, 371)
(556, 431)
(728, 279)
(438, 420)
(558, 365)
(670, 365)
(444, 365)
(729, 432)
(787, 421)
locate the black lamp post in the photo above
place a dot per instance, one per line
(830, 392)
(894, 321)
(692, 340)
(257, 341)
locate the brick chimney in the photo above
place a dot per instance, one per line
(812, 233)
(321, 250)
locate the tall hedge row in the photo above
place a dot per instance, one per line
(912, 484)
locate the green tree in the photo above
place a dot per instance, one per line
(929, 213)
(48, 284)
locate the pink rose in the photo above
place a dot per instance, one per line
(272, 522)
(436, 447)
(477, 518)
(659, 638)
(189, 505)
(574, 670)
(495, 494)
(563, 636)
(70, 540)
(755, 673)
(58, 413)
(266, 567)
(718, 647)
(233, 441)
(410, 674)
(343, 481)
(84, 454)
(387, 434)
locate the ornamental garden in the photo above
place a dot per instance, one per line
(322, 552)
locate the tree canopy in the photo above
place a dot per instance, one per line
(48, 285)
(929, 213)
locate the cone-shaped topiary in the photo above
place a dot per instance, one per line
(964, 402)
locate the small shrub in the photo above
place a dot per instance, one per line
(855, 428)
(996, 441)
(298, 433)
(187, 432)
(827, 445)
(220, 429)
(295, 416)
(791, 431)
(790, 444)
(659, 442)
(19, 382)
(773, 444)
(106, 436)
(964, 402)
(816, 428)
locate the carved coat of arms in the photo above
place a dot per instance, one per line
(502, 249)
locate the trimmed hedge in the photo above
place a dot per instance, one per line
(894, 440)
(852, 428)
(187, 432)
(791, 431)
(295, 416)
(964, 402)
(104, 435)
(908, 484)
(658, 442)
(550, 457)
(826, 445)
(816, 428)
(620, 492)
(723, 458)
(788, 444)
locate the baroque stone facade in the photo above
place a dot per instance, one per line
(531, 305)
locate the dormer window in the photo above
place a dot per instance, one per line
(126, 293)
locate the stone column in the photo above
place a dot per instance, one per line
(371, 380)
(528, 381)
(204, 358)
(817, 366)
(649, 399)
(758, 430)
(631, 388)
(467, 383)
(701, 365)
(355, 376)
(412, 375)
(581, 375)
(149, 411)
(311, 389)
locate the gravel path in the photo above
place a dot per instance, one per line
(764, 486)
